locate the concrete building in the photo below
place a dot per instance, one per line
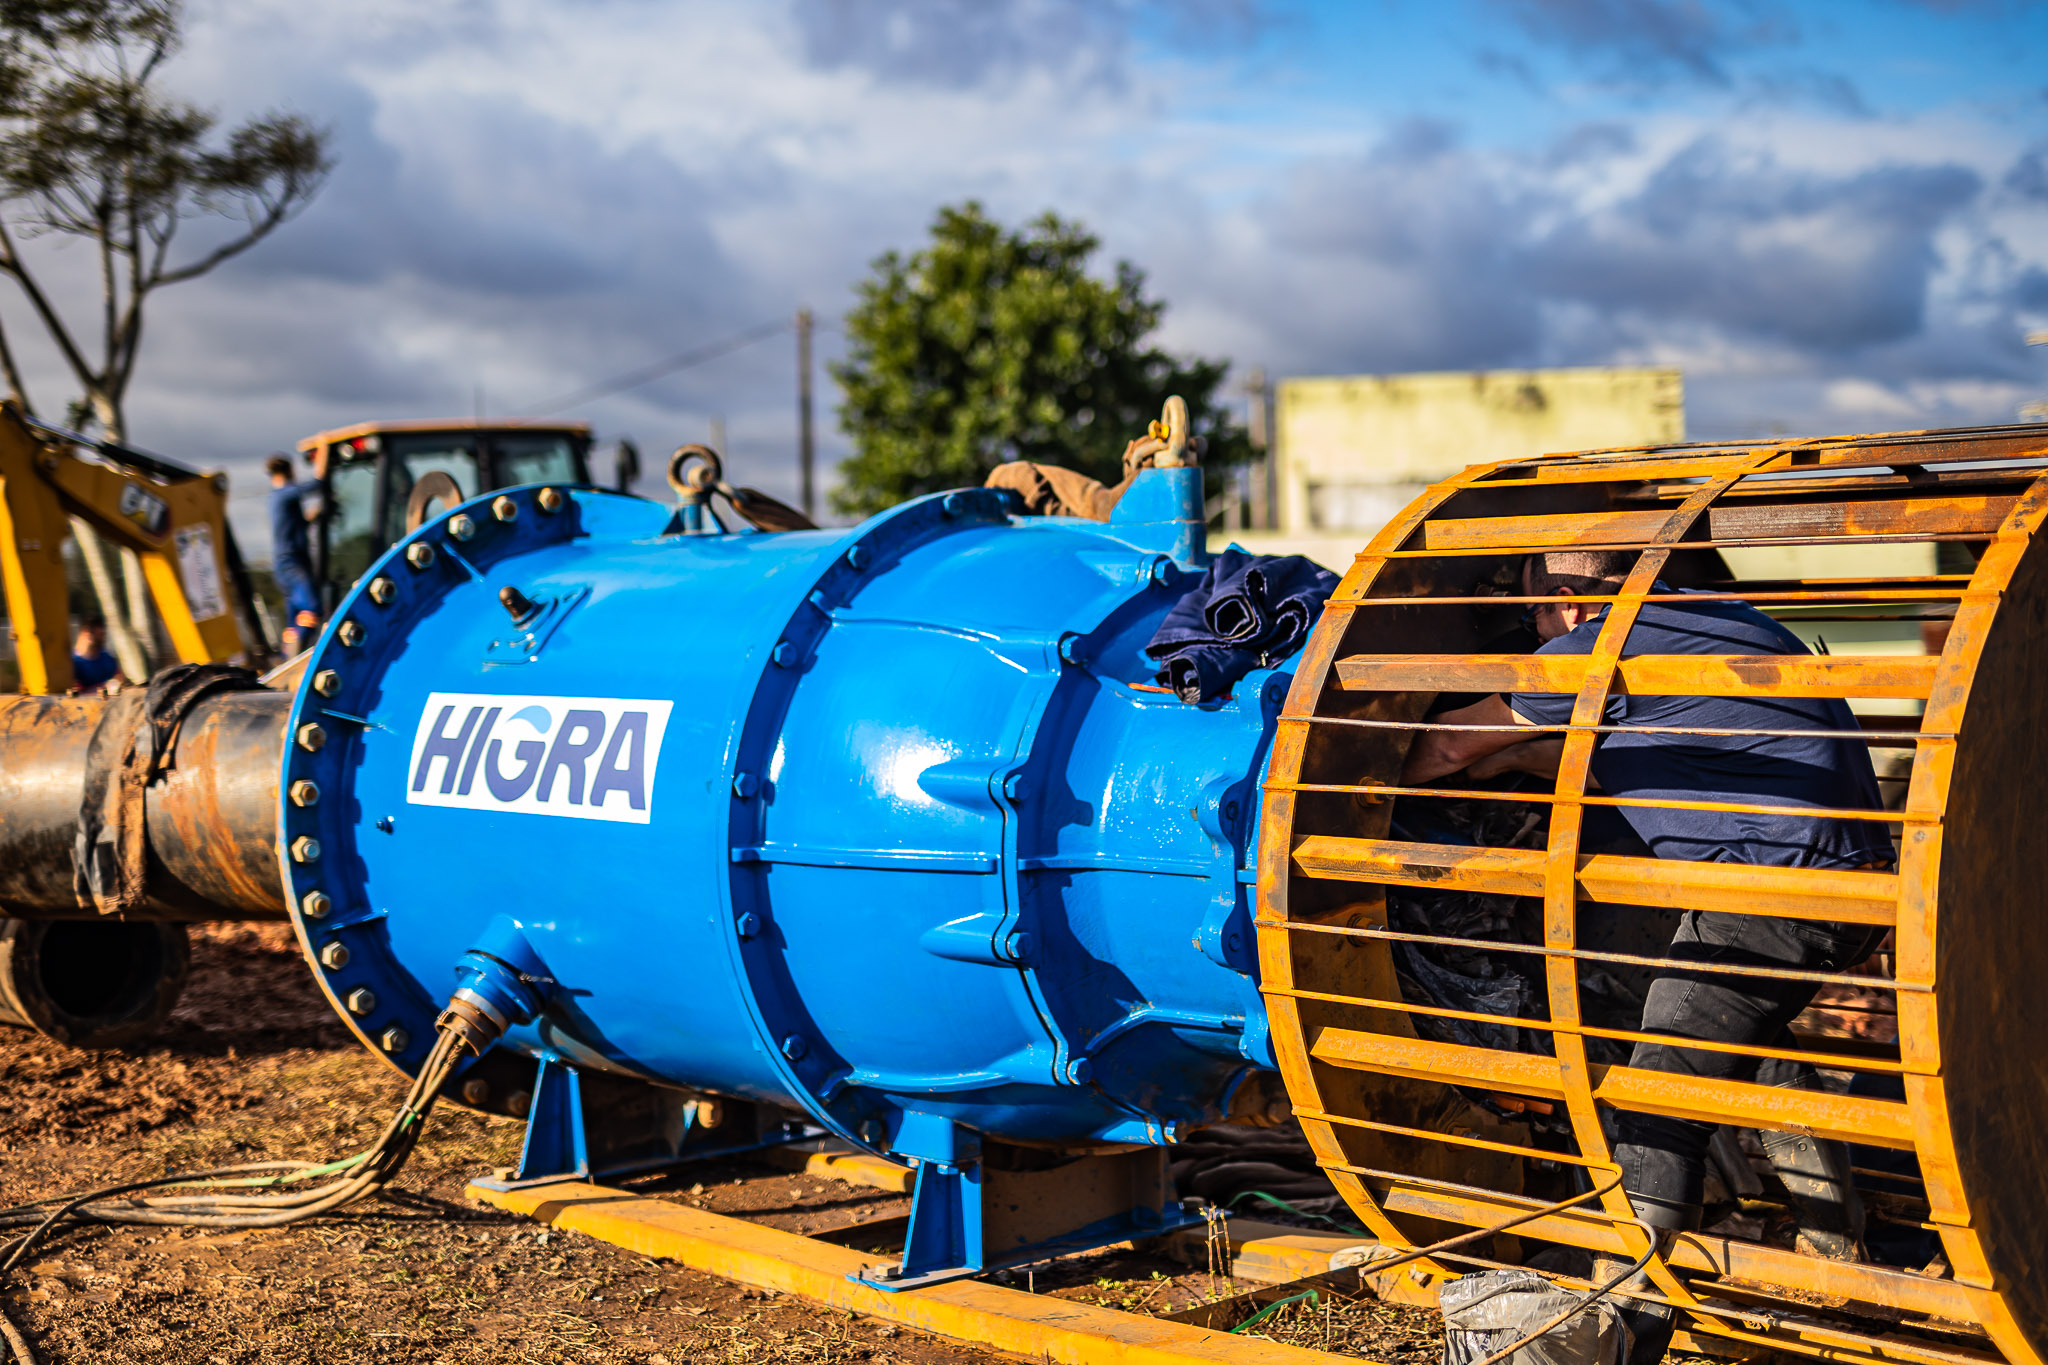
(1351, 452)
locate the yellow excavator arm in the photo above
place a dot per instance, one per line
(176, 523)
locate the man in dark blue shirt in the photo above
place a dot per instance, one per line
(291, 549)
(92, 668)
(1807, 756)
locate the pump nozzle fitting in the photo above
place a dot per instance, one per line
(500, 983)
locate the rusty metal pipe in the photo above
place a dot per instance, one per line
(212, 821)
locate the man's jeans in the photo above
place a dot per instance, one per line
(1664, 1160)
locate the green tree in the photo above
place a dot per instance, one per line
(991, 345)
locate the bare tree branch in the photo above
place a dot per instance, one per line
(89, 148)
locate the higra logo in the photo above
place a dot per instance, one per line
(589, 757)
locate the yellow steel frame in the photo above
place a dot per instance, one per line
(1409, 1156)
(42, 485)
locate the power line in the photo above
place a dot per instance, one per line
(701, 354)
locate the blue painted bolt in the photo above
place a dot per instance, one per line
(1019, 945)
(1079, 1071)
(1070, 648)
(1234, 942)
(953, 504)
(1163, 571)
(748, 924)
(783, 655)
(744, 785)
(857, 557)
(795, 1048)
(1016, 786)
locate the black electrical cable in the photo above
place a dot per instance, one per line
(357, 1178)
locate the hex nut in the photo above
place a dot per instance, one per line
(419, 554)
(382, 590)
(518, 1102)
(305, 849)
(315, 905)
(361, 1000)
(350, 633)
(549, 500)
(394, 1039)
(504, 509)
(795, 1047)
(327, 682)
(461, 526)
(476, 1091)
(305, 792)
(311, 737)
(334, 956)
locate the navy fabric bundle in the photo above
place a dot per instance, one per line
(1250, 611)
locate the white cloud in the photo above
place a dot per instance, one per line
(534, 196)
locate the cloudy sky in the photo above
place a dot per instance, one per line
(1833, 216)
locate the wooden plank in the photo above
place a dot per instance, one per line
(1852, 1118)
(1950, 513)
(1821, 893)
(1909, 676)
(987, 1315)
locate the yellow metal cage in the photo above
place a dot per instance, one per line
(1942, 1054)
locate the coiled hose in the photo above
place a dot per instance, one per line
(258, 1195)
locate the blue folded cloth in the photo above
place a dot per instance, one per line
(1249, 611)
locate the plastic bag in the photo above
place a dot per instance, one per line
(1490, 1310)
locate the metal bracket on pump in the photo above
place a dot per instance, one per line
(981, 1206)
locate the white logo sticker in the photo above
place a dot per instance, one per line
(592, 758)
(200, 572)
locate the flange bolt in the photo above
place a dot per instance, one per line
(504, 509)
(419, 554)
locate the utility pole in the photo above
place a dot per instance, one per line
(1259, 426)
(806, 451)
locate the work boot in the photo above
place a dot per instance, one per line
(1650, 1322)
(1815, 1172)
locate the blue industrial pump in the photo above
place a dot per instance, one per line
(882, 833)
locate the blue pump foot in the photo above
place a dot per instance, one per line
(598, 1127)
(979, 1213)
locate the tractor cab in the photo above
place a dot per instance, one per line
(367, 474)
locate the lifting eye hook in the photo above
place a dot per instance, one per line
(694, 485)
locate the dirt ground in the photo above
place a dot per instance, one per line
(254, 1066)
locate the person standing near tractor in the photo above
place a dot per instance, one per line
(293, 507)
